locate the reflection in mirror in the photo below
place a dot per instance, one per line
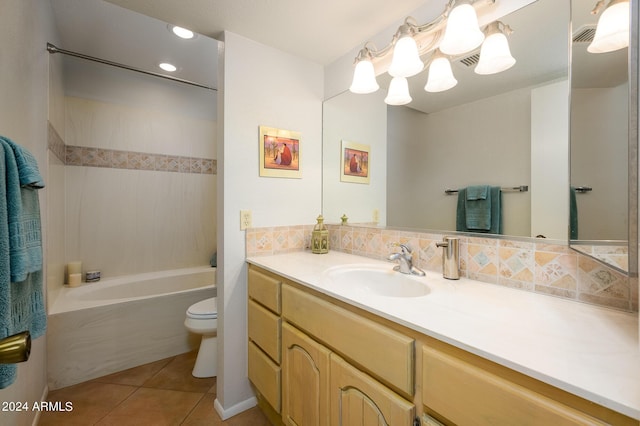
(599, 144)
(508, 129)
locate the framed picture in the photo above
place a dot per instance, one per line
(279, 153)
(355, 162)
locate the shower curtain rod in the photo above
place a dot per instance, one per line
(53, 49)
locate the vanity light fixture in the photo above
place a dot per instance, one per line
(495, 55)
(406, 58)
(462, 34)
(454, 32)
(167, 67)
(398, 92)
(612, 32)
(440, 75)
(364, 76)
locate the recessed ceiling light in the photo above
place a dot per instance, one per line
(182, 32)
(167, 67)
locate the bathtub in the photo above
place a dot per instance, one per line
(123, 322)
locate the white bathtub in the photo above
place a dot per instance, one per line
(119, 323)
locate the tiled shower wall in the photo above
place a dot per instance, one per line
(139, 188)
(537, 266)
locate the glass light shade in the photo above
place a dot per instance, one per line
(440, 76)
(495, 55)
(462, 33)
(398, 92)
(406, 59)
(364, 78)
(612, 32)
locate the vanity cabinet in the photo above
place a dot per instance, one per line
(341, 365)
(264, 330)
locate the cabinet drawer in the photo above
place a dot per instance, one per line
(264, 330)
(466, 394)
(385, 353)
(265, 376)
(264, 289)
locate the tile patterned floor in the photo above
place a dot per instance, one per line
(155, 394)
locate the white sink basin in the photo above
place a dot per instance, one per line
(378, 280)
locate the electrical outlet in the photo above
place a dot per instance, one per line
(245, 219)
(376, 215)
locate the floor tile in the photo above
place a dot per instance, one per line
(154, 407)
(176, 375)
(204, 414)
(91, 401)
(135, 376)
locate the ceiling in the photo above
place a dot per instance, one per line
(321, 32)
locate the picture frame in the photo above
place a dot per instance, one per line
(280, 153)
(355, 162)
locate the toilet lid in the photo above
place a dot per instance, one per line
(205, 309)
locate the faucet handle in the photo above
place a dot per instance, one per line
(405, 249)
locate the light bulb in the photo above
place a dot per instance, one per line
(440, 75)
(398, 92)
(406, 59)
(364, 78)
(612, 32)
(462, 33)
(495, 55)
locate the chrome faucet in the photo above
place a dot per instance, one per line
(405, 261)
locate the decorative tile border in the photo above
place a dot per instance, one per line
(115, 159)
(540, 267)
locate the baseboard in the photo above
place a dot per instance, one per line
(235, 409)
(45, 394)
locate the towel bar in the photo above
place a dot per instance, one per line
(583, 188)
(521, 188)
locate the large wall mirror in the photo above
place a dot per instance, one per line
(508, 129)
(603, 147)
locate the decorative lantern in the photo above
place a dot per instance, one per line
(320, 237)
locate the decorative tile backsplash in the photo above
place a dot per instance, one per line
(116, 159)
(541, 267)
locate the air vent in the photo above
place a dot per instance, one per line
(470, 61)
(584, 34)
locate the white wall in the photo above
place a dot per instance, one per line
(361, 119)
(482, 142)
(261, 86)
(25, 27)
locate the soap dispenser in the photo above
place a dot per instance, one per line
(450, 257)
(320, 237)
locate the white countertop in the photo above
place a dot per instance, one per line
(587, 350)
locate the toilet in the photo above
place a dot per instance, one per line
(202, 318)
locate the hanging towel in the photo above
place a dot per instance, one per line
(485, 216)
(478, 208)
(573, 214)
(21, 293)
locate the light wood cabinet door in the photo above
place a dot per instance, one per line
(305, 379)
(359, 400)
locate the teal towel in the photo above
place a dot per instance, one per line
(573, 214)
(494, 224)
(478, 208)
(21, 292)
(479, 192)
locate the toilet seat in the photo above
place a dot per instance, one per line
(205, 309)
